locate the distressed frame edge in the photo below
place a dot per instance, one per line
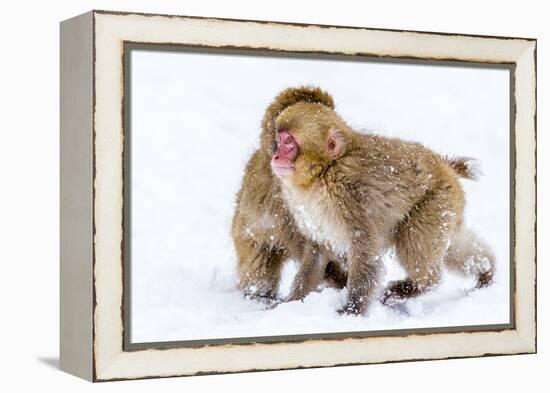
(76, 196)
(525, 217)
(529, 340)
(305, 24)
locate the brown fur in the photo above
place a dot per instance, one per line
(358, 194)
(263, 231)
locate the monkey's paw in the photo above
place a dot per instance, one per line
(398, 292)
(391, 299)
(265, 298)
(349, 309)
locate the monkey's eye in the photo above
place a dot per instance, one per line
(289, 140)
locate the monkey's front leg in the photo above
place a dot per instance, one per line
(259, 270)
(310, 273)
(363, 277)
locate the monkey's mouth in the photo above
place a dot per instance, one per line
(282, 170)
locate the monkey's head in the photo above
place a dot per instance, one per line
(310, 138)
(285, 99)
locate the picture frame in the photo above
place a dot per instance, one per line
(94, 258)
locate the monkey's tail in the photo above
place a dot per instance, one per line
(469, 255)
(466, 167)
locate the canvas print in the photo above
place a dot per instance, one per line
(284, 195)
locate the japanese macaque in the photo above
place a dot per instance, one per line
(358, 194)
(264, 232)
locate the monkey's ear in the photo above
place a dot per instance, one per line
(336, 143)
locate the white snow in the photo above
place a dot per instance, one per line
(195, 122)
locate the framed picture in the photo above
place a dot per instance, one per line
(246, 195)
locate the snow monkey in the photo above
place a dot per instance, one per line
(264, 233)
(358, 194)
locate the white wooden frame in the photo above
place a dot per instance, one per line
(92, 134)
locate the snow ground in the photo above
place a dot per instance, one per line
(195, 120)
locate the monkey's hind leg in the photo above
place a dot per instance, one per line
(421, 241)
(310, 273)
(259, 270)
(468, 255)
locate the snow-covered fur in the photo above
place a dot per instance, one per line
(264, 233)
(357, 194)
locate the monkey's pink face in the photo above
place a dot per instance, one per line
(284, 158)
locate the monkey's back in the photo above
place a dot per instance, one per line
(386, 178)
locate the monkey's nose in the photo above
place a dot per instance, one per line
(276, 157)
